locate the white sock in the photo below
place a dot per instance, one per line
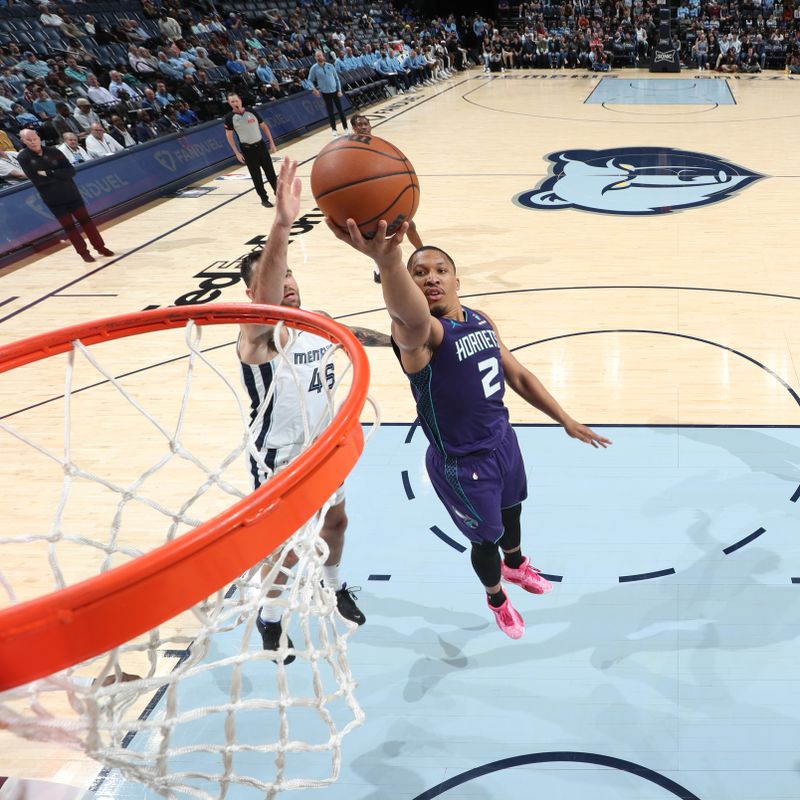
(330, 577)
(270, 613)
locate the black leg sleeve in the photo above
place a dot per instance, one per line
(512, 535)
(486, 563)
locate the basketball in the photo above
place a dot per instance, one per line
(367, 179)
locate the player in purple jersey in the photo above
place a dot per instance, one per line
(458, 368)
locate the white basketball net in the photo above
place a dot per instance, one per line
(195, 706)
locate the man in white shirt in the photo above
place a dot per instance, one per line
(49, 18)
(70, 147)
(83, 114)
(10, 170)
(98, 94)
(99, 144)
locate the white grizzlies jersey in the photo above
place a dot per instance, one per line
(299, 396)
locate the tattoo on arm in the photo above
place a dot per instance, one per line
(370, 338)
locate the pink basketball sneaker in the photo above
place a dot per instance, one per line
(528, 577)
(508, 619)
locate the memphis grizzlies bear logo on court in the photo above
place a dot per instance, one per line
(636, 180)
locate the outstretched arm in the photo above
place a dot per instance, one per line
(531, 389)
(413, 327)
(266, 281)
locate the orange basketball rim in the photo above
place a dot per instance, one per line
(42, 636)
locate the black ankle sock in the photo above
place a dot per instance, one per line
(513, 560)
(496, 600)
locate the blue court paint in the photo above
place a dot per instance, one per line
(379, 577)
(661, 92)
(690, 679)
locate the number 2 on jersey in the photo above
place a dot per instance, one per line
(316, 382)
(490, 376)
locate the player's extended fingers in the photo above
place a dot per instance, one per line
(339, 233)
(355, 234)
(400, 235)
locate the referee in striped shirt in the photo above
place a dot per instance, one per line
(248, 126)
(325, 80)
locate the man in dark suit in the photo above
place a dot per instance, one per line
(50, 172)
(145, 129)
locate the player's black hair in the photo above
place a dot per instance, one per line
(430, 247)
(355, 117)
(247, 264)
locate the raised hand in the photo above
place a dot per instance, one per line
(287, 193)
(379, 248)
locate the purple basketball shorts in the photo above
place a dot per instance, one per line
(476, 488)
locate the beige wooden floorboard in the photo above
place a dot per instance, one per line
(475, 145)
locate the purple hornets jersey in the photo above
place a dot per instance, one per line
(459, 394)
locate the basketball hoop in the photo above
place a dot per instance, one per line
(91, 625)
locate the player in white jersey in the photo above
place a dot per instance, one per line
(299, 410)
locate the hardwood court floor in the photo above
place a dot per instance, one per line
(659, 320)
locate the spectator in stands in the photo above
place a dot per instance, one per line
(69, 28)
(325, 80)
(163, 96)
(151, 103)
(167, 68)
(117, 86)
(75, 72)
(99, 144)
(168, 123)
(89, 25)
(142, 62)
(9, 127)
(761, 50)
(24, 118)
(10, 171)
(202, 61)
(169, 26)
(51, 174)
(102, 35)
(98, 94)
(71, 148)
(84, 115)
(31, 67)
(185, 116)
(181, 60)
(748, 60)
(190, 92)
(43, 105)
(729, 63)
(119, 131)
(234, 65)
(265, 74)
(6, 98)
(48, 17)
(145, 129)
(700, 51)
